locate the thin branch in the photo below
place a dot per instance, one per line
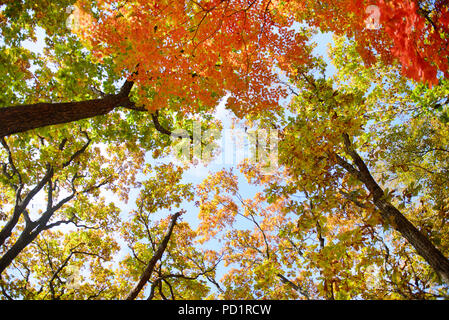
(47, 177)
(319, 234)
(161, 129)
(252, 213)
(61, 267)
(78, 152)
(156, 282)
(171, 288)
(4, 290)
(60, 222)
(293, 91)
(353, 200)
(156, 257)
(161, 292)
(136, 256)
(11, 164)
(93, 296)
(157, 124)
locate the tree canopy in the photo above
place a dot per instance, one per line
(107, 105)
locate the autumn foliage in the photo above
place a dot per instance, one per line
(412, 32)
(107, 190)
(198, 50)
(190, 53)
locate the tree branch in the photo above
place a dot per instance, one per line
(294, 286)
(21, 118)
(12, 165)
(161, 129)
(391, 215)
(146, 275)
(78, 152)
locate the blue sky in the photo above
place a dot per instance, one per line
(196, 174)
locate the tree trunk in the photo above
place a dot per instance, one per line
(420, 242)
(393, 216)
(22, 118)
(24, 240)
(146, 275)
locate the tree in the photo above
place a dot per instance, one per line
(181, 65)
(57, 169)
(357, 209)
(164, 250)
(319, 140)
(63, 265)
(44, 154)
(412, 32)
(188, 78)
(257, 253)
(77, 264)
(63, 178)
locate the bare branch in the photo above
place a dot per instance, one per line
(60, 222)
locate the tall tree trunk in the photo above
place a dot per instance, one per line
(146, 275)
(6, 231)
(393, 216)
(420, 242)
(22, 118)
(24, 240)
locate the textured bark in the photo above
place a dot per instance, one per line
(27, 117)
(22, 118)
(146, 275)
(6, 231)
(24, 240)
(393, 216)
(420, 242)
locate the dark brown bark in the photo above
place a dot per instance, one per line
(22, 118)
(33, 228)
(146, 275)
(21, 205)
(391, 215)
(161, 129)
(29, 233)
(6, 231)
(294, 286)
(24, 240)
